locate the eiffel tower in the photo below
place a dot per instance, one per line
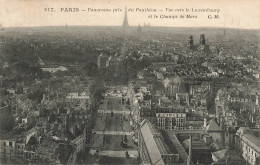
(125, 23)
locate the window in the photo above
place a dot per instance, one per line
(10, 144)
(4, 143)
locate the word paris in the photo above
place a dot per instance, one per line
(74, 10)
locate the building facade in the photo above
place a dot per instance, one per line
(7, 149)
(170, 118)
(248, 145)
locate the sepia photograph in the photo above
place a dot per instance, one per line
(129, 82)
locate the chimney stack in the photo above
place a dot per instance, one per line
(190, 150)
(205, 122)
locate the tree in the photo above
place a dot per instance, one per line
(6, 120)
(32, 141)
(157, 86)
(90, 68)
(125, 139)
(64, 152)
(37, 95)
(97, 151)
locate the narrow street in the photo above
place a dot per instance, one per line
(112, 128)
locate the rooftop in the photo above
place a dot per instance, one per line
(230, 157)
(213, 126)
(48, 146)
(9, 136)
(154, 142)
(220, 154)
(196, 145)
(250, 136)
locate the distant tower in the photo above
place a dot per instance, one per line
(139, 29)
(202, 39)
(125, 23)
(190, 42)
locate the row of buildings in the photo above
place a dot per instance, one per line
(198, 114)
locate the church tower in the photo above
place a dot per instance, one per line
(190, 42)
(125, 23)
(202, 39)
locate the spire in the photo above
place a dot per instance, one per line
(139, 29)
(125, 23)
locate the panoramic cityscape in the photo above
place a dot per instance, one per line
(129, 95)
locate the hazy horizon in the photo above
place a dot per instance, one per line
(118, 26)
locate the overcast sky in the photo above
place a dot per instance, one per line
(243, 14)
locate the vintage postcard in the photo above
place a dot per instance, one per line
(130, 82)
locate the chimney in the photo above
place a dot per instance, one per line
(177, 97)
(40, 139)
(191, 90)
(66, 122)
(205, 122)
(187, 99)
(190, 150)
(221, 124)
